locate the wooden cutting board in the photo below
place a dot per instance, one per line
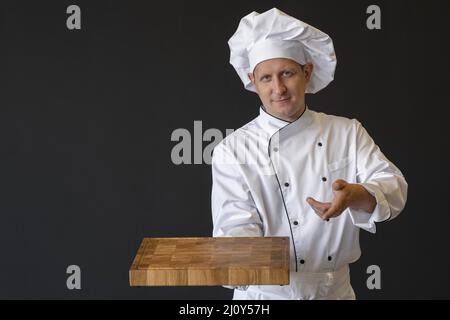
(211, 261)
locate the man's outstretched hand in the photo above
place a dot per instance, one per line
(346, 195)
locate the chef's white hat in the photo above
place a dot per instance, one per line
(274, 34)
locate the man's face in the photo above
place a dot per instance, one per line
(280, 84)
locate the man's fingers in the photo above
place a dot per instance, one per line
(329, 214)
(334, 211)
(319, 207)
(318, 211)
(327, 210)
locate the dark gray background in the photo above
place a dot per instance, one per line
(86, 120)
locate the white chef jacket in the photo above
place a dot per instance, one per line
(263, 173)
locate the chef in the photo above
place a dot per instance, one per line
(316, 178)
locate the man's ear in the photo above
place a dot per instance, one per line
(251, 77)
(308, 70)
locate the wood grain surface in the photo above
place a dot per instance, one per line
(211, 261)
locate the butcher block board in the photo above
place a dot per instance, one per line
(211, 261)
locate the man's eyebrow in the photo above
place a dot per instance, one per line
(262, 74)
(289, 69)
(283, 69)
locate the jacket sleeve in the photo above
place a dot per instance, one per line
(379, 177)
(233, 209)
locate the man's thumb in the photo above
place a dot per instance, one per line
(339, 184)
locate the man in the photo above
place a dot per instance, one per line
(295, 172)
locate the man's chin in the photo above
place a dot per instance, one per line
(286, 110)
(283, 116)
(287, 114)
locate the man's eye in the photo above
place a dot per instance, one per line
(265, 78)
(287, 73)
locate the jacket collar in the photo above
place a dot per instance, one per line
(272, 124)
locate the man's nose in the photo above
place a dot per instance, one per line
(278, 86)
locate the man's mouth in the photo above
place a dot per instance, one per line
(281, 100)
